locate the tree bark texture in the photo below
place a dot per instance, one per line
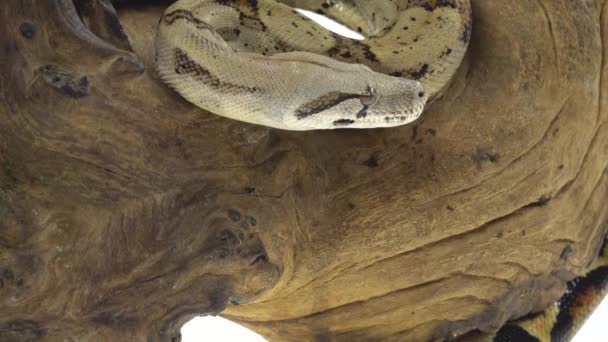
(125, 211)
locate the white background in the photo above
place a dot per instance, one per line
(216, 329)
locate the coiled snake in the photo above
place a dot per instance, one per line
(262, 62)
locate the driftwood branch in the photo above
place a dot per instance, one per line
(125, 211)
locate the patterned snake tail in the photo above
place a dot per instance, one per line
(262, 62)
(562, 320)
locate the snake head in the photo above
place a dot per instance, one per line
(384, 102)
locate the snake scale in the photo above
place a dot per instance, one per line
(262, 62)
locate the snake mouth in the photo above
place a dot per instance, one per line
(381, 119)
(391, 120)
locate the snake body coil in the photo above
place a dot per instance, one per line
(262, 62)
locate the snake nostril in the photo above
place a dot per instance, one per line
(421, 94)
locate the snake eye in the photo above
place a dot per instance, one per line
(368, 100)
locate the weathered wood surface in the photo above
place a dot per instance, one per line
(125, 211)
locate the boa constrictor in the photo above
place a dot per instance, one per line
(261, 61)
